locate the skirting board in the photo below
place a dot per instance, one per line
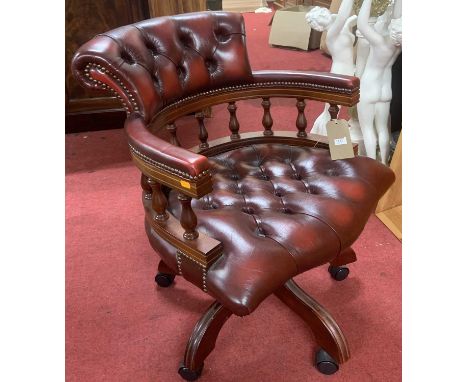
(389, 207)
(392, 219)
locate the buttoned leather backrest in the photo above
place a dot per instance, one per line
(155, 62)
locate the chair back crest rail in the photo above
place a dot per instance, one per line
(165, 68)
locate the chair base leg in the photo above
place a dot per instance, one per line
(347, 256)
(325, 363)
(336, 269)
(203, 340)
(165, 276)
(327, 332)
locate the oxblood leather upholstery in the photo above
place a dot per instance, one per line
(318, 79)
(163, 152)
(167, 58)
(152, 63)
(279, 211)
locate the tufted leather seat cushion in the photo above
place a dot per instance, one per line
(279, 210)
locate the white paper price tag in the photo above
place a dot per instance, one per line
(339, 139)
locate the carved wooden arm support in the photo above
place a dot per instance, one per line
(170, 165)
(196, 252)
(162, 163)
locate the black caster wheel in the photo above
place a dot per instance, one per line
(338, 273)
(189, 375)
(164, 279)
(325, 363)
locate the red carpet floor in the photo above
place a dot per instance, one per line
(121, 327)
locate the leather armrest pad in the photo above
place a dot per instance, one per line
(325, 79)
(155, 149)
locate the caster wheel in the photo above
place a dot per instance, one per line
(325, 363)
(189, 375)
(164, 279)
(338, 273)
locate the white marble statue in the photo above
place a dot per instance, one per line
(362, 45)
(340, 40)
(380, 24)
(376, 79)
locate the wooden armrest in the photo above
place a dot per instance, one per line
(172, 166)
(322, 80)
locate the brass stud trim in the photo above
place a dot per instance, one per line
(202, 266)
(124, 89)
(167, 168)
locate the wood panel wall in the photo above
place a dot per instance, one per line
(97, 110)
(174, 7)
(92, 110)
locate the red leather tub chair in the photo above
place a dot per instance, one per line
(237, 217)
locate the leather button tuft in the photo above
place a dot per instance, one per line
(286, 211)
(127, 58)
(264, 177)
(260, 232)
(185, 38)
(234, 177)
(155, 81)
(181, 72)
(248, 210)
(314, 190)
(210, 65)
(332, 172)
(278, 193)
(297, 176)
(222, 37)
(152, 48)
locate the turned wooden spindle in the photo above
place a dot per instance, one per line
(267, 121)
(333, 110)
(188, 219)
(203, 134)
(301, 121)
(172, 128)
(145, 186)
(159, 201)
(233, 122)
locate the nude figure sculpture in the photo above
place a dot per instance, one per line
(380, 24)
(376, 79)
(340, 40)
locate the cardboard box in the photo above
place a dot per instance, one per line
(289, 28)
(241, 5)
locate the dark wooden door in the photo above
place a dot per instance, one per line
(84, 19)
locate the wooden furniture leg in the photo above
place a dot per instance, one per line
(165, 275)
(336, 269)
(346, 256)
(203, 340)
(327, 333)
